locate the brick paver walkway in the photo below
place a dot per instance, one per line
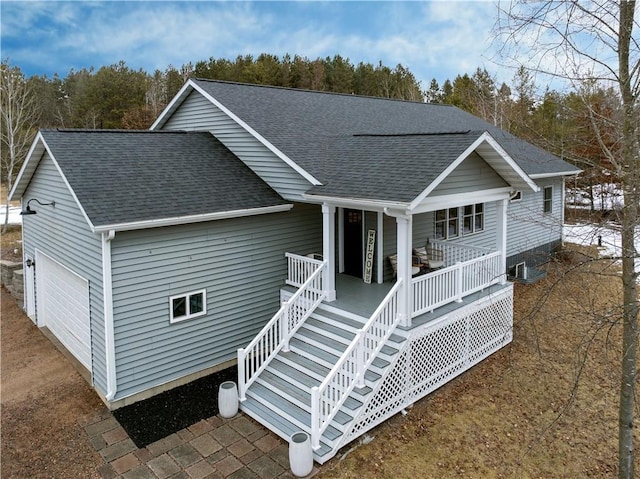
(215, 448)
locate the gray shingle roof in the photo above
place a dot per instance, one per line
(123, 176)
(319, 131)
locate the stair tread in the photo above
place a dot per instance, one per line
(319, 338)
(323, 354)
(349, 323)
(290, 372)
(284, 428)
(282, 387)
(282, 404)
(344, 335)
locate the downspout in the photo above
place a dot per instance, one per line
(107, 293)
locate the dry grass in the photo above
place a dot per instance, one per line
(11, 243)
(543, 407)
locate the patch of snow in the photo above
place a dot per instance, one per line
(606, 236)
(14, 215)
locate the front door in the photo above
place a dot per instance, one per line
(353, 242)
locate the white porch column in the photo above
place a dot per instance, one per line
(501, 236)
(404, 269)
(329, 250)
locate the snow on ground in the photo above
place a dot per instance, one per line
(606, 235)
(14, 215)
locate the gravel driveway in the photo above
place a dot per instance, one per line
(43, 400)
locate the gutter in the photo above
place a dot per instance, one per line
(109, 330)
(181, 220)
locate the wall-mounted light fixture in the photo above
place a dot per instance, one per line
(29, 211)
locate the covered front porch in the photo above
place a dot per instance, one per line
(466, 271)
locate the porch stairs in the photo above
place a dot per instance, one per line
(280, 397)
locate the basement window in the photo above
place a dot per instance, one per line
(187, 306)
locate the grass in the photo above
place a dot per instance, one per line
(543, 407)
(11, 243)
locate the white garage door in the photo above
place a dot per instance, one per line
(63, 306)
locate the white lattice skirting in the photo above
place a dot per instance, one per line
(437, 352)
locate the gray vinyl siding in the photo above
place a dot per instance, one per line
(528, 228)
(241, 264)
(198, 113)
(473, 174)
(423, 228)
(62, 233)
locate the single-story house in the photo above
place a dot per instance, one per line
(349, 253)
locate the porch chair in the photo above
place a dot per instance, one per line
(393, 260)
(430, 256)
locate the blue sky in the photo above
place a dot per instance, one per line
(432, 38)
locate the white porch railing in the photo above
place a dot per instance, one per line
(299, 268)
(278, 331)
(458, 252)
(452, 283)
(350, 369)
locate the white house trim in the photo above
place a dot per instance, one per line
(297, 168)
(109, 332)
(356, 203)
(181, 220)
(329, 250)
(434, 203)
(539, 176)
(31, 167)
(521, 179)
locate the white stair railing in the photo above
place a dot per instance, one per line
(453, 283)
(350, 369)
(299, 268)
(276, 334)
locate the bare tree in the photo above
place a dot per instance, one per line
(585, 41)
(18, 115)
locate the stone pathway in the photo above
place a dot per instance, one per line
(215, 448)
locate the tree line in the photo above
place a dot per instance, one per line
(118, 96)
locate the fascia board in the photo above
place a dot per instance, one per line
(510, 161)
(484, 137)
(34, 155)
(66, 182)
(297, 168)
(355, 203)
(181, 220)
(434, 203)
(18, 188)
(173, 104)
(551, 175)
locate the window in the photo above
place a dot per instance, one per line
(547, 202)
(187, 306)
(447, 222)
(516, 196)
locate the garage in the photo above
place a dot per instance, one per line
(62, 300)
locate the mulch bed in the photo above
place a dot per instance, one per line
(157, 417)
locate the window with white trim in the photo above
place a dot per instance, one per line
(516, 196)
(448, 222)
(547, 202)
(187, 306)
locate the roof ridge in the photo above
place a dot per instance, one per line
(460, 132)
(307, 90)
(116, 130)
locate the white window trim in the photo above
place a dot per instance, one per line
(460, 217)
(515, 197)
(188, 315)
(544, 201)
